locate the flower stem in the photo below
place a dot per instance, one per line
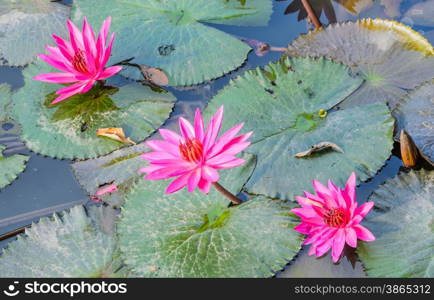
(226, 193)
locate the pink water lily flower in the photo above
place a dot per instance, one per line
(332, 218)
(82, 60)
(195, 156)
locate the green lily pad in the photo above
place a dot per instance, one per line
(11, 167)
(282, 105)
(391, 57)
(20, 43)
(416, 116)
(402, 223)
(171, 35)
(68, 129)
(196, 235)
(76, 244)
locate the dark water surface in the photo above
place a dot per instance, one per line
(48, 185)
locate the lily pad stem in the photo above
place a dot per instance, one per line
(311, 14)
(226, 193)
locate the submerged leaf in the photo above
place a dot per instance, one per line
(300, 88)
(390, 57)
(402, 223)
(76, 244)
(195, 235)
(67, 129)
(172, 36)
(20, 42)
(11, 167)
(416, 116)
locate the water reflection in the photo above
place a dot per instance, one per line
(309, 266)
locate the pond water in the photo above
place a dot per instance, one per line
(48, 185)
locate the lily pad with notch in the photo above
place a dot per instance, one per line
(172, 35)
(294, 121)
(402, 222)
(391, 57)
(68, 129)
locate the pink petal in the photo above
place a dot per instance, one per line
(350, 188)
(338, 245)
(71, 90)
(304, 212)
(171, 136)
(363, 233)
(213, 129)
(107, 189)
(224, 163)
(210, 174)
(364, 209)
(204, 186)
(157, 156)
(56, 77)
(193, 180)
(102, 37)
(89, 46)
(177, 184)
(306, 203)
(224, 139)
(149, 169)
(108, 51)
(303, 228)
(163, 146)
(323, 248)
(351, 237)
(64, 47)
(109, 72)
(54, 62)
(165, 173)
(198, 125)
(187, 130)
(313, 197)
(324, 193)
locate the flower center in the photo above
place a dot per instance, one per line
(335, 217)
(191, 150)
(79, 62)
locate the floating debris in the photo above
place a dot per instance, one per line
(116, 134)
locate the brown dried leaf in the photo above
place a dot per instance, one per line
(319, 147)
(116, 134)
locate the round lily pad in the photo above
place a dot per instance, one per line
(416, 116)
(391, 57)
(20, 42)
(172, 35)
(11, 167)
(196, 235)
(402, 223)
(287, 106)
(68, 129)
(76, 244)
